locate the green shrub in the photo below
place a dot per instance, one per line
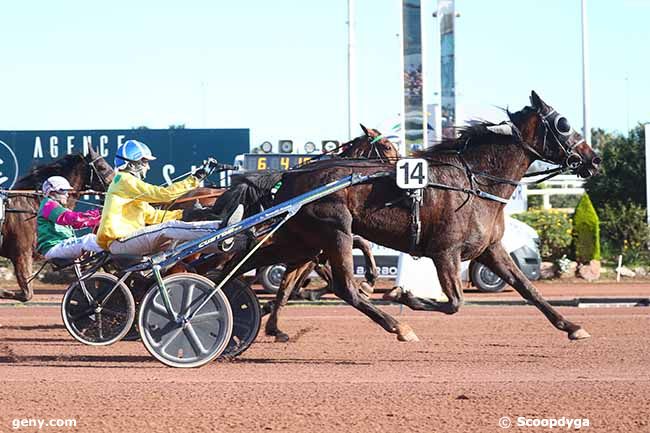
(586, 231)
(625, 231)
(621, 178)
(565, 201)
(553, 228)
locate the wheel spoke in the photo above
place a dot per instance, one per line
(199, 318)
(99, 324)
(170, 339)
(84, 313)
(194, 339)
(160, 309)
(187, 299)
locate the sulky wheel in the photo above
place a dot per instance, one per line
(102, 313)
(247, 317)
(185, 341)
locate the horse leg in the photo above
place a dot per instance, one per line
(371, 266)
(499, 261)
(292, 280)
(23, 269)
(448, 267)
(367, 286)
(340, 255)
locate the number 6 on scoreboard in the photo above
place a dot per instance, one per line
(412, 173)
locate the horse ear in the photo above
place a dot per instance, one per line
(536, 101)
(365, 130)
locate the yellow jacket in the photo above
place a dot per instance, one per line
(127, 208)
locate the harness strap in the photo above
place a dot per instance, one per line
(416, 224)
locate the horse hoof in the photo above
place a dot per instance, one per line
(366, 289)
(579, 334)
(281, 337)
(393, 295)
(405, 333)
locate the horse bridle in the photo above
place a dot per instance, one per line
(561, 131)
(94, 172)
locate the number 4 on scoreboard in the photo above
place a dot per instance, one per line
(412, 173)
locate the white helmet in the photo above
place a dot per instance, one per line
(56, 184)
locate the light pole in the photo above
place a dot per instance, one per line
(585, 76)
(351, 71)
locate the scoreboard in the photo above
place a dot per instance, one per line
(275, 161)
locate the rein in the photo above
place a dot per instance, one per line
(198, 197)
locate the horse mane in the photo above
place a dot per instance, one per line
(37, 175)
(476, 134)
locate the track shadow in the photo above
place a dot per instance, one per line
(32, 327)
(474, 290)
(296, 361)
(37, 340)
(84, 361)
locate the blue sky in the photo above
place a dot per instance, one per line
(279, 67)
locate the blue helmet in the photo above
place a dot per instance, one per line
(132, 151)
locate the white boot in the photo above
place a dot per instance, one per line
(235, 217)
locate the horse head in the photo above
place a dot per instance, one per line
(99, 172)
(371, 145)
(548, 135)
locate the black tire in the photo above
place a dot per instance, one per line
(270, 277)
(104, 322)
(484, 279)
(247, 317)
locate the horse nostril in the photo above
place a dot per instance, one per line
(596, 161)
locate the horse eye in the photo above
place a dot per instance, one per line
(562, 125)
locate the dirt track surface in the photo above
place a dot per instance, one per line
(555, 289)
(341, 373)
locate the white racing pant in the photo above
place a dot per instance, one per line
(157, 237)
(74, 247)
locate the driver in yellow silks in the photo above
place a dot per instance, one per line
(129, 224)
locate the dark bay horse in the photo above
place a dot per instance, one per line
(370, 146)
(83, 172)
(457, 222)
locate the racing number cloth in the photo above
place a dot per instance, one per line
(127, 208)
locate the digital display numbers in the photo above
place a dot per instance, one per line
(274, 161)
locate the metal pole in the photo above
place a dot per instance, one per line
(352, 122)
(402, 106)
(647, 169)
(585, 76)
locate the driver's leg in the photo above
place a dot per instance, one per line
(152, 239)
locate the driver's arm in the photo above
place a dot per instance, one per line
(132, 187)
(157, 216)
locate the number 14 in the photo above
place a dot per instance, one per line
(412, 173)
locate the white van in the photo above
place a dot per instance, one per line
(519, 239)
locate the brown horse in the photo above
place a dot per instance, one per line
(83, 172)
(469, 180)
(370, 146)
